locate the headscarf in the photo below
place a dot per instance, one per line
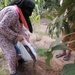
(26, 7)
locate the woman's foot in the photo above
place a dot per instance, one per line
(67, 57)
(59, 55)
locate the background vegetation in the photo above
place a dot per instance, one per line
(57, 11)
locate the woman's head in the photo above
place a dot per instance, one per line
(26, 7)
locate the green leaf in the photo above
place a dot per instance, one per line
(71, 14)
(73, 26)
(54, 20)
(60, 47)
(59, 25)
(68, 42)
(64, 6)
(39, 1)
(51, 31)
(6, 2)
(66, 27)
(49, 56)
(41, 51)
(49, 17)
(68, 69)
(56, 42)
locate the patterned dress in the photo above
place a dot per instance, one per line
(10, 27)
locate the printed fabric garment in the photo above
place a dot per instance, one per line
(10, 27)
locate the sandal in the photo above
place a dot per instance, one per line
(59, 55)
(66, 57)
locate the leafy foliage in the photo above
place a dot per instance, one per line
(49, 56)
(63, 19)
(68, 7)
(41, 51)
(68, 69)
(35, 18)
(52, 4)
(57, 45)
(4, 3)
(62, 13)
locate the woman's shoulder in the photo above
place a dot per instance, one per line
(9, 9)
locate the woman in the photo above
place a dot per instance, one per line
(11, 29)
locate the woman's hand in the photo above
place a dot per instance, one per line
(20, 37)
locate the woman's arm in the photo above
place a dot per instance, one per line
(9, 19)
(26, 33)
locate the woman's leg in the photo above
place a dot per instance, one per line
(67, 56)
(10, 55)
(64, 52)
(69, 52)
(71, 47)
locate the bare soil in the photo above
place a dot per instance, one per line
(39, 39)
(40, 68)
